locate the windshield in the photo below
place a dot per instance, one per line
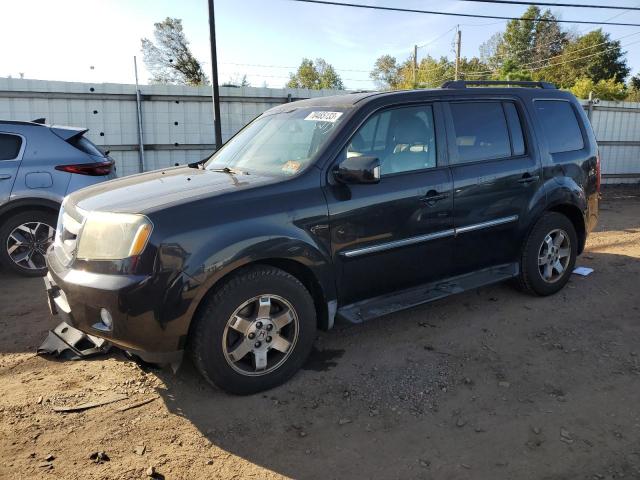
(280, 144)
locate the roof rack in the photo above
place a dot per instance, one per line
(465, 83)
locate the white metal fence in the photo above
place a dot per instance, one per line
(178, 127)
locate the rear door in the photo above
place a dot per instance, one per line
(397, 233)
(11, 148)
(496, 175)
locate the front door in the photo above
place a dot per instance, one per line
(496, 173)
(396, 233)
(11, 147)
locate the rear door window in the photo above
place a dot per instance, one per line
(10, 146)
(481, 131)
(560, 125)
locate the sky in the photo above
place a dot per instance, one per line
(96, 40)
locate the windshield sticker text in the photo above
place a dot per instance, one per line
(324, 116)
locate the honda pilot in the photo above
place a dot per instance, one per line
(335, 208)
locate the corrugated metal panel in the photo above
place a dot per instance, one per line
(179, 119)
(617, 129)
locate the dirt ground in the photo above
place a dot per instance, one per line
(490, 384)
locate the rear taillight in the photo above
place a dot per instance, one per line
(93, 169)
(598, 175)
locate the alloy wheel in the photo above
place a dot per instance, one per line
(554, 255)
(260, 335)
(27, 244)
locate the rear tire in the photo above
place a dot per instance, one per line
(24, 239)
(549, 255)
(254, 332)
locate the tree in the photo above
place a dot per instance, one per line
(169, 59)
(604, 89)
(315, 76)
(593, 55)
(528, 42)
(237, 81)
(511, 71)
(385, 73)
(519, 37)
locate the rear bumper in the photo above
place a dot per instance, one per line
(134, 302)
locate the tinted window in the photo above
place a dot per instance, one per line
(480, 131)
(515, 128)
(403, 139)
(9, 146)
(560, 125)
(86, 145)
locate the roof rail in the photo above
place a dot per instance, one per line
(465, 83)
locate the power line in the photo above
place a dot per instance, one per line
(553, 4)
(554, 64)
(438, 37)
(451, 14)
(285, 67)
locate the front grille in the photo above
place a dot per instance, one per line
(70, 222)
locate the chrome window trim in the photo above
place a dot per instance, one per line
(425, 238)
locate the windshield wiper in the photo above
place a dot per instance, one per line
(199, 164)
(228, 170)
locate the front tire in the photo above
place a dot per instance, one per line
(254, 332)
(24, 239)
(549, 255)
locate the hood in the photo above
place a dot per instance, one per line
(161, 188)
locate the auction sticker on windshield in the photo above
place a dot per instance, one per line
(324, 116)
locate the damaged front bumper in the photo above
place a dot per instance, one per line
(79, 298)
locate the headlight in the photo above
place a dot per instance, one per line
(113, 236)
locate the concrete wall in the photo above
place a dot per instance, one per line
(178, 125)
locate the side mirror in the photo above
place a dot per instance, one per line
(358, 170)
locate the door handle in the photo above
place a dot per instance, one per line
(528, 178)
(432, 197)
(4, 176)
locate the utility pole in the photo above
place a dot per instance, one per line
(139, 117)
(415, 66)
(458, 43)
(214, 77)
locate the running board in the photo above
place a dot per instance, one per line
(385, 304)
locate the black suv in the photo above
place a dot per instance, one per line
(347, 207)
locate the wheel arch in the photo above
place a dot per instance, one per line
(575, 215)
(321, 295)
(22, 205)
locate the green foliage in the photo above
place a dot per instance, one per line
(604, 60)
(604, 89)
(237, 81)
(316, 76)
(170, 59)
(511, 71)
(386, 72)
(530, 48)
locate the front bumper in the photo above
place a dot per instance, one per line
(134, 302)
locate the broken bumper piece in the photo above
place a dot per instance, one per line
(69, 343)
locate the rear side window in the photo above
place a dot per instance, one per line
(86, 145)
(10, 146)
(560, 125)
(481, 131)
